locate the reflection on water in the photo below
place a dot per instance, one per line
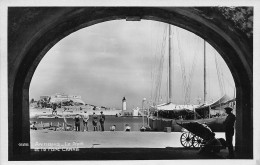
(134, 122)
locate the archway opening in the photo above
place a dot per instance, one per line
(92, 69)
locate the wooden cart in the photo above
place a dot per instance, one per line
(195, 133)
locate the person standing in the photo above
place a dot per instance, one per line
(67, 126)
(77, 123)
(94, 121)
(102, 121)
(54, 107)
(85, 121)
(229, 130)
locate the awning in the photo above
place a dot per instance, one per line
(175, 107)
(223, 101)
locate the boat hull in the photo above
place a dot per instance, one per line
(160, 124)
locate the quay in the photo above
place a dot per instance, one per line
(117, 145)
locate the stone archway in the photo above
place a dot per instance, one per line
(33, 31)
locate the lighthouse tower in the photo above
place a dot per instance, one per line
(123, 106)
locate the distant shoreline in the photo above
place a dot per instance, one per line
(36, 112)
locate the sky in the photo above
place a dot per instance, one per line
(108, 61)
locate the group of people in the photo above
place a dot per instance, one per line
(97, 122)
(85, 119)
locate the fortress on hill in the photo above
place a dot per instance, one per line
(57, 98)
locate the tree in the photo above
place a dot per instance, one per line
(241, 16)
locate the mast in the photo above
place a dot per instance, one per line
(170, 79)
(205, 87)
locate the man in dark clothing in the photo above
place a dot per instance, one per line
(54, 111)
(102, 120)
(77, 123)
(94, 121)
(229, 130)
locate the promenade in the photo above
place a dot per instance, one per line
(117, 145)
(107, 139)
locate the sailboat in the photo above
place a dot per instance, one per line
(167, 115)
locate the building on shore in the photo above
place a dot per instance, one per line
(44, 97)
(136, 111)
(58, 98)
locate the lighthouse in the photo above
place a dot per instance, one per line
(123, 105)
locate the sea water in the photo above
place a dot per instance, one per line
(134, 122)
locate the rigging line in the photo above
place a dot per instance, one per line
(169, 63)
(155, 69)
(155, 64)
(221, 77)
(163, 54)
(158, 79)
(219, 80)
(160, 69)
(220, 74)
(177, 51)
(168, 84)
(152, 82)
(227, 80)
(210, 81)
(209, 84)
(152, 79)
(186, 79)
(191, 76)
(223, 82)
(182, 66)
(167, 77)
(155, 72)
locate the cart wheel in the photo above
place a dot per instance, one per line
(186, 139)
(196, 141)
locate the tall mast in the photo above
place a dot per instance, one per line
(170, 79)
(205, 87)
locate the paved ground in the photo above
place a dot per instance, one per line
(107, 139)
(113, 146)
(118, 139)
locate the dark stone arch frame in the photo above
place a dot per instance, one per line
(235, 48)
